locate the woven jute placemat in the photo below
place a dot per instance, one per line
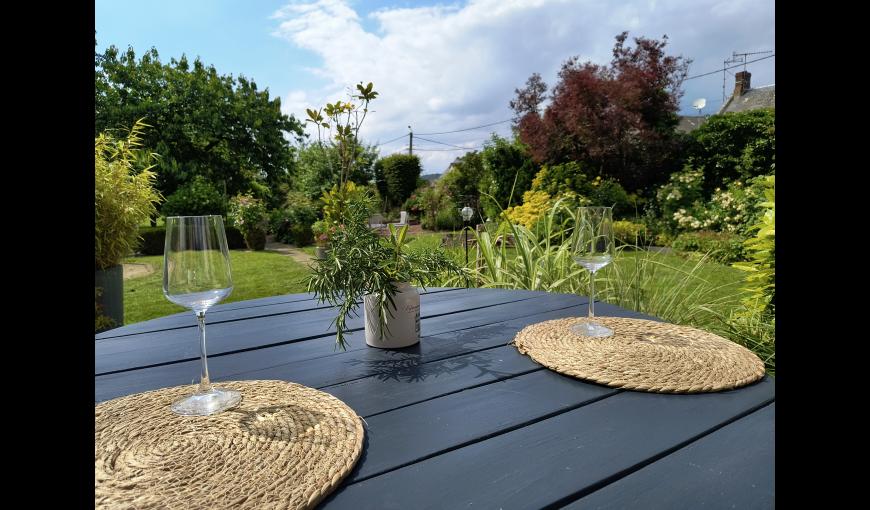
(284, 446)
(642, 355)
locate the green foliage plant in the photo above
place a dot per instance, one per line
(761, 266)
(734, 146)
(199, 197)
(677, 292)
(396, 176)
(344, 119)
(248, 214)
(124, 195)
(360, 262)
(629, 233)
(292, 223)
(721, 247)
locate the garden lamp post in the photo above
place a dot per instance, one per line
(467, 213)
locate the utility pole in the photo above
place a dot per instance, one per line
(410, 141)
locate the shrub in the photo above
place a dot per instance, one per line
(292, 223)
(448, 218)
(570, 177)
(609, 193)
(535, 205)
(248, 214)
(682, 207)
(722, 247)
(235, 239)
(761, 282)
(736, 209)
(154, 240)
(396, 177)
(628, 233)
(123, 197)
(734, 146)
(199, 197)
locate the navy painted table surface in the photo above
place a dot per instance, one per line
(462, 420)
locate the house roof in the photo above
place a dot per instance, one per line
(761, 97)
(690, 123)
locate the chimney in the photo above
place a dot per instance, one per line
(741, 83)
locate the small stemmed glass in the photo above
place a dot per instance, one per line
(197, 275)
(592, 249)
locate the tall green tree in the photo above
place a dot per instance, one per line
(396, 177)
(734, 146)
(318, 168)
(463, 177)
(508, 171)
(208, 124)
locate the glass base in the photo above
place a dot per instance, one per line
(591, 329)
(204, 404)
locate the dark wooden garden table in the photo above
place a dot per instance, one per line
(462, 420)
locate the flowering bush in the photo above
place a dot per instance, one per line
(248, 214)
(535, 206)
(738, 207)
(682, 207)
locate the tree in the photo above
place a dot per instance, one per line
(396, 177)
(508, 171)
(463, 177)
(531, 97)
(318, 168)
(205, 124)
(734, 146)
(617, 119)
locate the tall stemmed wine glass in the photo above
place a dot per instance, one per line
(593, 249)
(196, 275)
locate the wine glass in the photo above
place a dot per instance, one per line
(196, 275)
(593, 249)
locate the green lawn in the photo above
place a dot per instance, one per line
(264, 274)
(255, 275)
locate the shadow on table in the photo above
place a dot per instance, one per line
(408, 365)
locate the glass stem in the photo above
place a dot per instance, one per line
(591, 295)
(204, 383)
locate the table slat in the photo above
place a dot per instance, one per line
(545, 462)
(733, 467)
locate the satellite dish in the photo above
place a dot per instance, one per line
(699, 104)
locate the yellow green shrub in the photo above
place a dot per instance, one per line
(535, 205)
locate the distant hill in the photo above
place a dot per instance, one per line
(431, 177)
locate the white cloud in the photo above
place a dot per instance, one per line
(453, 66)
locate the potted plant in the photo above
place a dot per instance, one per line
(124, 198)
(248, 214)
(321, 238)
(363, 265)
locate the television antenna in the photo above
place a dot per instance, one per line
(736, 58)
(699, 104)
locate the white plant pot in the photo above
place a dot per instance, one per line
(403, 322)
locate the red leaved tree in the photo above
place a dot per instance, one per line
(618, 119)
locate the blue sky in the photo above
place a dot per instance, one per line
(439, 66)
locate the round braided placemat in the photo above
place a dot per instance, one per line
(642, 355)
(284, 446)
